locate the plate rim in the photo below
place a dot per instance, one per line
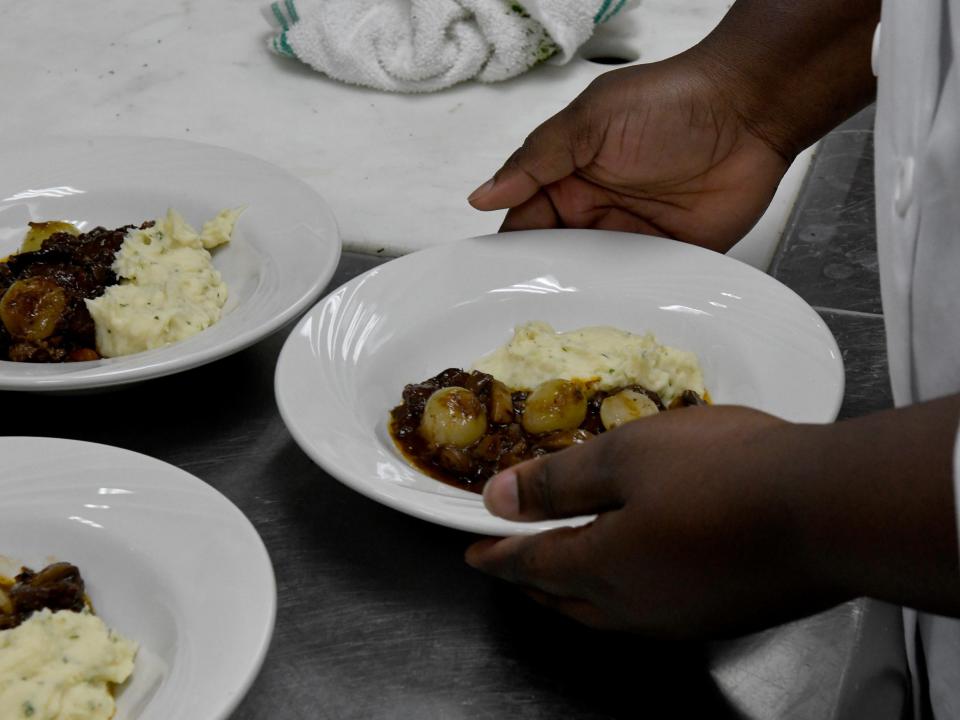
(487, 523)
(184, 478)
(145, 369)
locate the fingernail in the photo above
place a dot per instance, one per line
(500, 494)
(482, 190)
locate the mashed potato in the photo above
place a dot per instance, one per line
(601, 356)
(168, 290)
(57, 666)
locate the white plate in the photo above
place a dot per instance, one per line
(168, 562)
(284, 250)
(345, 364)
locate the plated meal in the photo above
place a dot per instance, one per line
(449, 315)
(110, 513)
(70, 296)
(280, 256)
(58, 660)
(541, 392)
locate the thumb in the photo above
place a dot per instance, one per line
(560, 485)
(550, 153)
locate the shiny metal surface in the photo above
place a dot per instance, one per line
(378, 616)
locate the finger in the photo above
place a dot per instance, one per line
(555, 561)
(549, 153)
(577, 608)
(537, 212)
(622, 221)
(583, 611)
(601, 211)
(575, 481)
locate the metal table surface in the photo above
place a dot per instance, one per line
(379, 617)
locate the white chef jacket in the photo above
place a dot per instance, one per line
(917, 167)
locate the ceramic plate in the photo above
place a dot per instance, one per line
(345, 364)
(284, 250)
(168, 562)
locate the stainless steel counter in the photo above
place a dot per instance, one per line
(378, 616)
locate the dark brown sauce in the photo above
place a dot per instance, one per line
(43, 316)
(58, 586)
(503, 444)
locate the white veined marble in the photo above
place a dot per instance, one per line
(395, 169)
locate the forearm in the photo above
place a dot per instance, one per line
(877, 516)
(794, 69)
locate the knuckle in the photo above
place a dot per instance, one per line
(531, 563)
(539, 493)
(525, 161)
(538, 563)
(548, 495)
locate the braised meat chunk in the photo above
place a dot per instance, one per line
(463, 427)
(56, 587)
(43, 316)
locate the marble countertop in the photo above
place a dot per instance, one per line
(395, 169)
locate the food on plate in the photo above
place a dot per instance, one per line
(58, 586)
(168, 288)
(71, 296)
(603, 356)
(43, 316)
(58, 661)
(463, 426)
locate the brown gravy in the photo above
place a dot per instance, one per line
(503, 443)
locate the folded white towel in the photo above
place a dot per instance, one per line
(426, 45)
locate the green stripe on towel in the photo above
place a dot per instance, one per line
(282, 47)
(278, 14)
(598, 18)
(617, 9)
(295, 16)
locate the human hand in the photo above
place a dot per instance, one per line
(694, 534)
(659, 149)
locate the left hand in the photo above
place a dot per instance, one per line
(659, 148)
(693, 537)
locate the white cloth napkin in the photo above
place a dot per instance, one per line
(425, 45)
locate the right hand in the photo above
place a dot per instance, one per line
(696, 534)
(658, 149)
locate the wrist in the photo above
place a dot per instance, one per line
(874, 514)
(800, 488)
(793, 70)
(819, 505)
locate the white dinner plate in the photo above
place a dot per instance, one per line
(345, 364)
(284, 250)
(168, 562)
